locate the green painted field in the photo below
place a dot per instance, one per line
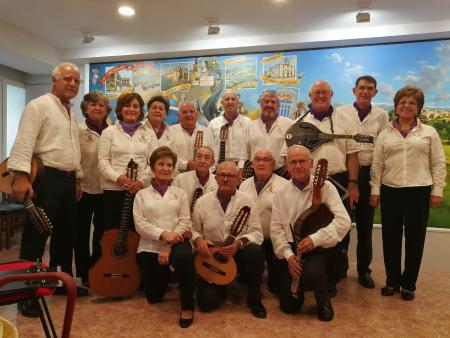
(440, 217)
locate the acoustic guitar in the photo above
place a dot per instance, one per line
(223, 136)
(197, 194)
(217, 268)
(116, 273)
(317, 216)
(308, 135)
(36, 214)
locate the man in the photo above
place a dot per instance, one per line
(269, 130)
(343, 167)
(200, 178)
(289, 203)
(371, 120)
(185, 133)
(48, 130)
(262, 188)
(213, 215)
(237, 129)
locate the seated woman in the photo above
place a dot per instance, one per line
(161, 216)
(407, 176)
(157, 108)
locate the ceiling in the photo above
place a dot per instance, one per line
(50, 31)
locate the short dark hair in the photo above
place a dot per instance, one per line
(94, 97)
(415, 92)
(125, 99)
(161, 152)
(367, 78)
(159, 98)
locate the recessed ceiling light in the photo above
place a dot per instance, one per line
(126, 11)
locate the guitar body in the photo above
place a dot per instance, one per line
(313, 219)
(116, 275)
(305, 134)
(214, 270)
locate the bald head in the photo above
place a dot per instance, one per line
(299, 163)
(230, 102)
(320, 94)
(263, 164)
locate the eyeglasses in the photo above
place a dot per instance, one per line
(323, 92)
(262, 159)
(227, 175)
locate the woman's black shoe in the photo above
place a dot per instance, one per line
(186, 322)
(388, 290)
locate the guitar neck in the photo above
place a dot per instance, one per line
(228, 241)
(335, 136)
(122, 236)
(222, 151)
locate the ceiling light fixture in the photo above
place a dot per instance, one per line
(126, 11)
(363, 14)
(88, 37)
(213, 28)
(362, 17)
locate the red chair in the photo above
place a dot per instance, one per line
(20, 289)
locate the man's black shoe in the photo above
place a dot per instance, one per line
(332, 290)
(28, 308)
(81, 291)
(366, 280)
(258, 310)
(325, 312)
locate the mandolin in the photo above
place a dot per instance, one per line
(223, 135)
(308, 135)
(36, 214)
(217, 268)
(116, 273)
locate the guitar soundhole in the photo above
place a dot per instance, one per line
(220, 258)
(120, 250)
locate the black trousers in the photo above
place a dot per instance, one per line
(338, 261)
(273, 265)
(156, 277)
(113, 206)
(364, 214)
(90, 209)
(314, 277)
(408, 209)
(55, 193)
(250, 262)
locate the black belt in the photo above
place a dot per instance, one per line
(59, 172)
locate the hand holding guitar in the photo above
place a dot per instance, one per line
(21, 186)
(202, 246)
(231, 250)
(306, 245)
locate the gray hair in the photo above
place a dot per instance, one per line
(188, 102)
(231, 163)
(268, 92)
(301, 148)
(56, 72)
(323, 81)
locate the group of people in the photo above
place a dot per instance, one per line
(189, 188)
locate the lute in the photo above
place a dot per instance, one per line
(223, 136)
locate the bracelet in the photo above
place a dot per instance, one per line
(353, 181)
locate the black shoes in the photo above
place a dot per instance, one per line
(325, 312)
(28, 308)
(407, 295)
(366, 280)
(332, 290)
(186, 318)
(389, 290)
(81, 291)
(258, 310)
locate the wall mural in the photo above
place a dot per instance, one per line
(204, 80)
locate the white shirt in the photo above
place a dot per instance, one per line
(115, 150)
(188, 181)
(183, 144)
(211, 222)
(48, 132)
(335, 150)
(235, 142)
(372, 125)
(90, 183)
(288, 204)
(412, 161)
(275, 140)
(153, 214)
(166, 138)
(264, 199)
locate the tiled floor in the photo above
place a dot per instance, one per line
(358, 313)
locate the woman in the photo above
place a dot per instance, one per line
(407, 176)
(161, 215)
(95, 108)
(127, 139)
(156, 115)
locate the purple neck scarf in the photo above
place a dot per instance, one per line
(190, 131)
(160, 131)
(130, 128)
(224, 200)
(231, 119)
(259, 185)
(202, 180)
(268, 122)
(362, 113)
(299, 184)
(160, 187)
(320, 115)
(404, 133)
(95, 127)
